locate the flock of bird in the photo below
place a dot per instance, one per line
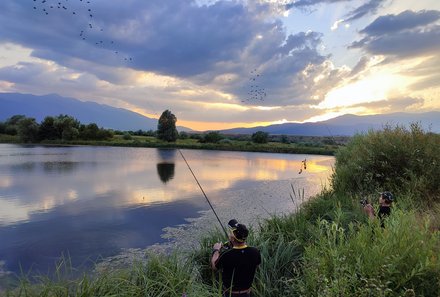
(89, 31)
(255, 93)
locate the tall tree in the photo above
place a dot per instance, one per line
(27, 130)
(67, 127)
(166, 127)
(47, 129)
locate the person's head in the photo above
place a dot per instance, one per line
(238, 232)
(386, 198)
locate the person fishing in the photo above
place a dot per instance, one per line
(237, 261)
(385, 203)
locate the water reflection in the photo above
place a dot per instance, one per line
(108, 198)
(165, 171)
(166, 155)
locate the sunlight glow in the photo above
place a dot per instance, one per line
(150, 79)
(380, 83)
(336, 24)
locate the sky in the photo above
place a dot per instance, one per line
(228, 63)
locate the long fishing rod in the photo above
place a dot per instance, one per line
(200, 186)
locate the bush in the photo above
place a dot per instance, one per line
(183, 135)
(212, 137)
(127, 136)
(394, 159)
(225, 141)
(260, 137)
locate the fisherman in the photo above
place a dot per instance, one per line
(385, 202)
(237, 261)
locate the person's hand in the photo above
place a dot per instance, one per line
(217, 246)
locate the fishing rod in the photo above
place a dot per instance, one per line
(200, 186)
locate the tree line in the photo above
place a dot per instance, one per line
(61, 127)
(166, 130)
(67, 128)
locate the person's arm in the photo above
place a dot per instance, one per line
(369, 210)
(215, 255)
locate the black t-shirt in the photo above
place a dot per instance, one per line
(384, 211)
(238, 267)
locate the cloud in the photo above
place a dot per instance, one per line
(406, 20)
(336, 24)
(220, 46)
(173, 37)
(427, 74)
(307, 3)
(405, 35)
(397, 104)
(370, 7)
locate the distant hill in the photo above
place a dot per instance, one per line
(347, 125)
(104, 116)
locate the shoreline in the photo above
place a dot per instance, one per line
(249, 206)
(242, 147)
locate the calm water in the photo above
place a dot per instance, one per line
(91, 202)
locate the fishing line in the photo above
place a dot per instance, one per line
(209, 202)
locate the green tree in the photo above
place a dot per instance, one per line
(47, 129)
(11, 127)
(67, 127)
(2, 127)
(27, 129)
(89, 132)
(166, 127)
(260, 137)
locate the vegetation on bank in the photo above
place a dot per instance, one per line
(327, 248)
(66, 130)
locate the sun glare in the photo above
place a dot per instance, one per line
(380, 83)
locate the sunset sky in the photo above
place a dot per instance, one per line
(223, 64)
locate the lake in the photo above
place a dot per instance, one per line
(89, 203)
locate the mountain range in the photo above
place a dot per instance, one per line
(109, 117)
(86, 112)
(348, 125)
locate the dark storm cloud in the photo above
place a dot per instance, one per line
(176, 37)
(170, 37)
(407, 34)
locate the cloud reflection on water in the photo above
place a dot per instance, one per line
(128, 177)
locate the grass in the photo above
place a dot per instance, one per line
(327, 248)
(233, 145)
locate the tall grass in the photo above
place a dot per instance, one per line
(367, 260)
(161, 276)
